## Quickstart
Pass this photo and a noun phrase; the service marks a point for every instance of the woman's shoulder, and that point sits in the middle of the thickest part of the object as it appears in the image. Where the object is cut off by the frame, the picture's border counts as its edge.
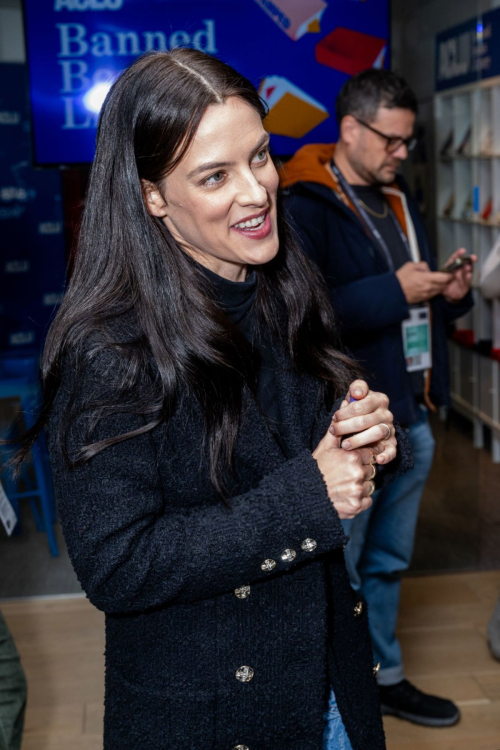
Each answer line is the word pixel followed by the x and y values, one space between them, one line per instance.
pixel 108 354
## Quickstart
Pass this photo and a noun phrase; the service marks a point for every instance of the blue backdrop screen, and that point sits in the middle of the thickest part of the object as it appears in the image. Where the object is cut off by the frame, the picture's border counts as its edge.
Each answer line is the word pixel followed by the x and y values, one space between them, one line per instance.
pixel 299 52
pixel 32 257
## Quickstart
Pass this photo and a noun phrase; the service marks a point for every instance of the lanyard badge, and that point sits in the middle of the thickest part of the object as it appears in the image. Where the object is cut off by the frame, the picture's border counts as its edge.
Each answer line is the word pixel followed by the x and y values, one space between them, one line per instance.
pixel 416 330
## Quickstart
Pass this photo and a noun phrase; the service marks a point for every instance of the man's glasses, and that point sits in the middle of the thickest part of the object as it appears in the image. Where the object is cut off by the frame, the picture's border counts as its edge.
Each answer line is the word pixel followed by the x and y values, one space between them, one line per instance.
pixel 393 144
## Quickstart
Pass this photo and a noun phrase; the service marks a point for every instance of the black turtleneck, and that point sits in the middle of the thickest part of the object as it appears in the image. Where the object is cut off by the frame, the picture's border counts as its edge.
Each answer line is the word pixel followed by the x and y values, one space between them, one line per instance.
pixel 237 299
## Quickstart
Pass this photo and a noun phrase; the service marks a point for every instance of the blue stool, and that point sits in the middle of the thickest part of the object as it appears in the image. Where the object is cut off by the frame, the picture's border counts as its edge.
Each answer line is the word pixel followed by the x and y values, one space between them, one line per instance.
pixel 19 380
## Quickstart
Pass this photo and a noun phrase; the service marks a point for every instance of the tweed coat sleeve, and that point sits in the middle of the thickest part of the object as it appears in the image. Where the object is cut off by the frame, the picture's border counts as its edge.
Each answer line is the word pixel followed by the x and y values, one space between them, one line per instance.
pixel 133 550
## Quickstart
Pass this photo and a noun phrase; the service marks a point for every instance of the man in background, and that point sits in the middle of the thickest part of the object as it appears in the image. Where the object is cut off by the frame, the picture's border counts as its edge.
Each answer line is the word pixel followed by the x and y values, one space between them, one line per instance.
pixel 358 222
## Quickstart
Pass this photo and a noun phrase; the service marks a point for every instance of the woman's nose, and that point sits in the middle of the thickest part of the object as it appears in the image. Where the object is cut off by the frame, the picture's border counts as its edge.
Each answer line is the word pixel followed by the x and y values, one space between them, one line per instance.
pixel 251 192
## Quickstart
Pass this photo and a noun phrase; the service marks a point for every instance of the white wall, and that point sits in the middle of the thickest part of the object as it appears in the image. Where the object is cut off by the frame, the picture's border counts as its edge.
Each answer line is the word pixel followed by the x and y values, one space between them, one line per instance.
pixel 11 32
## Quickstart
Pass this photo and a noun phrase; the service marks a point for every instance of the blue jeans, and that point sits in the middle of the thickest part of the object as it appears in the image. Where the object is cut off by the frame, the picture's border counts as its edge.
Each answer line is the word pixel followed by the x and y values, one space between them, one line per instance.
pixel 381 547
pixel 335 737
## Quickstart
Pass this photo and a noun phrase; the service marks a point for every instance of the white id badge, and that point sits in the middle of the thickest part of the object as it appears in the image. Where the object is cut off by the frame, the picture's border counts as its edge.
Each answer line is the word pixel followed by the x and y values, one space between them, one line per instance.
pixel 417 339
pixel 7 514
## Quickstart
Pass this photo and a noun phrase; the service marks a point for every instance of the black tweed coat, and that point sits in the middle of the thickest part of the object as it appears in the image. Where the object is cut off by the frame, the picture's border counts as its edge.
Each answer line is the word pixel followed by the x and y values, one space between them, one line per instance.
pixel 200 597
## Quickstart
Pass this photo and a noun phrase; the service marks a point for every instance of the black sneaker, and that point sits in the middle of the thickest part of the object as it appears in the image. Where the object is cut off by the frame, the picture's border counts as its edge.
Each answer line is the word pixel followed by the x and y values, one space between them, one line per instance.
pixel 407 702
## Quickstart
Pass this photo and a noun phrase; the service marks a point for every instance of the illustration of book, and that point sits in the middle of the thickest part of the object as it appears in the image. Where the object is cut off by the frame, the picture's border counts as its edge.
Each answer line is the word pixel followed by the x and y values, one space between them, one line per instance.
pixel 449 206
pixel 487 144
pixel 464 147
pixel 351 51
pixel 295 17
pixel 468 209
pixel 487 210
pixel 446 147
pixel 292 112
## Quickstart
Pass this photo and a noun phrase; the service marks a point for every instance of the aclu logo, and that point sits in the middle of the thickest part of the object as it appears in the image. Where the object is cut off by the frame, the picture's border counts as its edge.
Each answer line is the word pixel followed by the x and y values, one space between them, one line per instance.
pixel 87 4
pixel 21 338
pixel 17 266
pixel 52 299
pixel 50 227
pixel 10 118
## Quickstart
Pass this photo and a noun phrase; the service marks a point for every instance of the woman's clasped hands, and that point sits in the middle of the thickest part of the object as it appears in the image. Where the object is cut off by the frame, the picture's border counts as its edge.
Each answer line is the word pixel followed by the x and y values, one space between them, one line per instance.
pixel 360 438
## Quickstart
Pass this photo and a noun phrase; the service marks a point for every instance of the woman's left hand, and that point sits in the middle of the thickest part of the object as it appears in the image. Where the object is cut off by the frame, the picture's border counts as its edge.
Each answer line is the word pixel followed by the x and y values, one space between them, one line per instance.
pixel 367 421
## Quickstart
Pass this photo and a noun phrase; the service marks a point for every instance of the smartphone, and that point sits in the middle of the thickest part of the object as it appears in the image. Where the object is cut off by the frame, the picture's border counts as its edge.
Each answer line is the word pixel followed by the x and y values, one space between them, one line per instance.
pixel 456 264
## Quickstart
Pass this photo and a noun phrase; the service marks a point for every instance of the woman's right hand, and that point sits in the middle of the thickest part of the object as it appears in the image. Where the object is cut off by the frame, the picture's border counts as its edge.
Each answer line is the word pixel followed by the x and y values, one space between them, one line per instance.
pixel 348 475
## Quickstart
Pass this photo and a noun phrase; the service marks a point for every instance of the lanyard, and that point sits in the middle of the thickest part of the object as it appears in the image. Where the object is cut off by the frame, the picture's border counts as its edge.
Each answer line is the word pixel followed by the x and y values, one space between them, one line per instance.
pixel 368 224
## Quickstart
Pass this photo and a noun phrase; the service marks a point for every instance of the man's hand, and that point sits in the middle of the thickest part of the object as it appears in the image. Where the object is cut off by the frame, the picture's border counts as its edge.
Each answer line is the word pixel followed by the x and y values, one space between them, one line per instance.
pixel 461 280
pixel 420 284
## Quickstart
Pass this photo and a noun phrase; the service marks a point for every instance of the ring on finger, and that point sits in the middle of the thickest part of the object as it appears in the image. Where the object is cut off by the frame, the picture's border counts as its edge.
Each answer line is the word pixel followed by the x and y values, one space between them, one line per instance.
pixel 389 430
pixel 372 488
pixel 374 467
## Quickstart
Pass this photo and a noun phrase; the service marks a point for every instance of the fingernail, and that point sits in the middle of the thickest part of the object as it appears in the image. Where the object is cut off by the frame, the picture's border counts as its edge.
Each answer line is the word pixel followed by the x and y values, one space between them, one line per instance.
pixel 334 418
pixel 381 459
pixel 331 430
pixel 346 444
pixel 343 404
pixel 357 392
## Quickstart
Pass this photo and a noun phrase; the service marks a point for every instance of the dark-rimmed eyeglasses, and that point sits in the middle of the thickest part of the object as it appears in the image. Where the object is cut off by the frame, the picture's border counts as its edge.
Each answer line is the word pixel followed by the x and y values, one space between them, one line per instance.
pixel 393 144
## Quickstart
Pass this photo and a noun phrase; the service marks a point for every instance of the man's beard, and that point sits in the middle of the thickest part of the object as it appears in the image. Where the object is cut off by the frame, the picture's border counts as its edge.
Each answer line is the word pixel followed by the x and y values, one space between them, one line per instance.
pixel 377 178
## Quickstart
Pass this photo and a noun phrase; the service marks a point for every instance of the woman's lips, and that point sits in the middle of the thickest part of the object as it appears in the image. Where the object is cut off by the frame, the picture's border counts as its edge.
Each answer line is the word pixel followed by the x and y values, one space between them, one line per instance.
pixel 257 234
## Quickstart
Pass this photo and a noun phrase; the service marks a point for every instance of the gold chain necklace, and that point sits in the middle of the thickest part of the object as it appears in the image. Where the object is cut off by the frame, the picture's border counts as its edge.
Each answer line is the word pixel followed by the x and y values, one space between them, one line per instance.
pixel 374 213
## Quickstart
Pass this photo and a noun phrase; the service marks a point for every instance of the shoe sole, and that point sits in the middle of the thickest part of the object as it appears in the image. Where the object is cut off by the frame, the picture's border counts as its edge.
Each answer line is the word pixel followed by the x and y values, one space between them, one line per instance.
pixel 423 720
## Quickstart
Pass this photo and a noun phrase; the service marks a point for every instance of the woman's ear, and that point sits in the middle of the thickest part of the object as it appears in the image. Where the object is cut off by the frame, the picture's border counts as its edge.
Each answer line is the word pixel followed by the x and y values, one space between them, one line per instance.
pixel 155 202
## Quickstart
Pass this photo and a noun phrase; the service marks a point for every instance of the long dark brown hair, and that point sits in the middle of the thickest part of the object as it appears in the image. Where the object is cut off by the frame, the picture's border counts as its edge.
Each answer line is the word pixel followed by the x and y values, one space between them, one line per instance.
pixel 129 266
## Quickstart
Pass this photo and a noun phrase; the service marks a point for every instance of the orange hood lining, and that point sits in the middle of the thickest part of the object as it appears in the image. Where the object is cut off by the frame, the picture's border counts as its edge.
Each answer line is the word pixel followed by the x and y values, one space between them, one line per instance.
pixel 308 165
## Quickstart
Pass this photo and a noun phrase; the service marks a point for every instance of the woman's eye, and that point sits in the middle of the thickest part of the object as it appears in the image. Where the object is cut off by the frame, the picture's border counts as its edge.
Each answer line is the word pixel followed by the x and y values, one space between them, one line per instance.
pixel 261 156
pixel 214 179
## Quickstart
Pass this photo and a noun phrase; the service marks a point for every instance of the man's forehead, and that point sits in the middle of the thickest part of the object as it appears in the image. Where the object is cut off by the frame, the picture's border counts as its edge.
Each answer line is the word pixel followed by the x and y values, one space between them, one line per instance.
pixel 395 116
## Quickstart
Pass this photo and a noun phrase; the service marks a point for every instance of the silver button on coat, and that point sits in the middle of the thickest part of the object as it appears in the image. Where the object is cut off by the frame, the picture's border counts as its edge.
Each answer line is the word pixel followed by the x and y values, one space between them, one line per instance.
pixel 309 545
pixel 243 592
pixel 241 747
pixel 244 674
pixel 268 565
pixel 288 555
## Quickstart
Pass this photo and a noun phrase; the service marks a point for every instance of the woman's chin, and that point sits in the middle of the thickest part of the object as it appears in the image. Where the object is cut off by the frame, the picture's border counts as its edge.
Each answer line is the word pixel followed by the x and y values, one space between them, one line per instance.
pixel 264 252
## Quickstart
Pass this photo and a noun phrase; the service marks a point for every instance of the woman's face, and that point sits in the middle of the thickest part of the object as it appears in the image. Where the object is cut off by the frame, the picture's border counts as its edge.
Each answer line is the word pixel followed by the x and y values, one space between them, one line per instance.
pixel 219 203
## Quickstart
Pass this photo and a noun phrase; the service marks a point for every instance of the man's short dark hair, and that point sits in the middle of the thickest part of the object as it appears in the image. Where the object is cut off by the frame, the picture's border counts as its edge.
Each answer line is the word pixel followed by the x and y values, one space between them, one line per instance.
pixel 363 94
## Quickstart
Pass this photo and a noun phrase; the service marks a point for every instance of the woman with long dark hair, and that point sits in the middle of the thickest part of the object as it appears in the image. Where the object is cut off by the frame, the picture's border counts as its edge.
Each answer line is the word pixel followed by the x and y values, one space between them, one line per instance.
pixel 190 379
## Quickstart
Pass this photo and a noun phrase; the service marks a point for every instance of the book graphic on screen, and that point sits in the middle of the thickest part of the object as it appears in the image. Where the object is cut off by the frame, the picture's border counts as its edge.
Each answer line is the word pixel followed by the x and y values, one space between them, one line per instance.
pixel 351 51
pixel 295 17
pixel 292 112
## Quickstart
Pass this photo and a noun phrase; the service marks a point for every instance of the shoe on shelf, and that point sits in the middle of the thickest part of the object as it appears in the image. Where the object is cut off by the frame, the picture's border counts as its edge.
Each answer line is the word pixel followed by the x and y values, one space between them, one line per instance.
pixel 494 633
pixel 407 702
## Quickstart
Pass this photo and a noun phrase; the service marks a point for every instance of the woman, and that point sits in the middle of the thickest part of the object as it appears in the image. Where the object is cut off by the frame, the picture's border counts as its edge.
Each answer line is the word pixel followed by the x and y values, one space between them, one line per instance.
pixel 190 379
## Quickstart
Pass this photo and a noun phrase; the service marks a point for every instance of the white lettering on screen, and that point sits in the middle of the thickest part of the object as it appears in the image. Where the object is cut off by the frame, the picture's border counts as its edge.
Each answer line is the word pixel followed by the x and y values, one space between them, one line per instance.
pixel 82 5
pixel 74 41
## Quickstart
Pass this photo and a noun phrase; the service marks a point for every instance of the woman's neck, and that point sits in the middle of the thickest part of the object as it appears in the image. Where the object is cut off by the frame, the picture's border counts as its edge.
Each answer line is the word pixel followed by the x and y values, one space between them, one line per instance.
pixel 224 268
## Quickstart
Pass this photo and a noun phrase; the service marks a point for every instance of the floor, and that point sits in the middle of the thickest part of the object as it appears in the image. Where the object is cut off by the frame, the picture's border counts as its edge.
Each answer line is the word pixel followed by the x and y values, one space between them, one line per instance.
pixel 459 521
pixel 442 629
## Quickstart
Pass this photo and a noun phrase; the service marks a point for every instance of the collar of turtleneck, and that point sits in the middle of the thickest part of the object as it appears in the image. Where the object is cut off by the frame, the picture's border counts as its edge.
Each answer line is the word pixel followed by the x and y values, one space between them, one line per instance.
pixel 236 297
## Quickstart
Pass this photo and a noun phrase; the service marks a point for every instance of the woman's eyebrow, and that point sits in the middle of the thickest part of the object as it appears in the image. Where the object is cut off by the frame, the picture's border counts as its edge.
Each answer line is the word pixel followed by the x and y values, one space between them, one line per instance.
pixel 219 164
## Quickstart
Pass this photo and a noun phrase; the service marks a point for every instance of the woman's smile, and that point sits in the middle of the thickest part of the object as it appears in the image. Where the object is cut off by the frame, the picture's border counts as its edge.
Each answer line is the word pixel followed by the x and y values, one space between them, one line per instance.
pixel 255 227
